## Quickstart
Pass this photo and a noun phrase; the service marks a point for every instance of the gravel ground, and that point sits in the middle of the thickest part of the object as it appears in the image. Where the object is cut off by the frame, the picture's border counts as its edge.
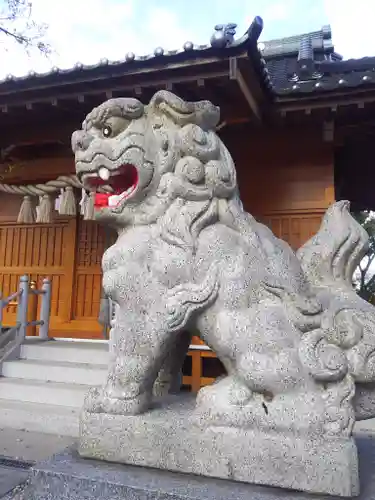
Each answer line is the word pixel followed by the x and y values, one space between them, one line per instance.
pixel 24 446
pixel 31 446
pixel 17 493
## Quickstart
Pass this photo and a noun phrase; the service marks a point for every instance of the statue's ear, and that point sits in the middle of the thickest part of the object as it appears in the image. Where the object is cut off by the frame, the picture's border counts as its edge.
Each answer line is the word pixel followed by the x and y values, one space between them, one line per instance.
pixel 201 113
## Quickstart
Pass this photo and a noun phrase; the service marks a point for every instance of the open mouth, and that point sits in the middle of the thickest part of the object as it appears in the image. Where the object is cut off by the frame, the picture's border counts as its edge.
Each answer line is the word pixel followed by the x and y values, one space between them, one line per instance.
pixel 118 185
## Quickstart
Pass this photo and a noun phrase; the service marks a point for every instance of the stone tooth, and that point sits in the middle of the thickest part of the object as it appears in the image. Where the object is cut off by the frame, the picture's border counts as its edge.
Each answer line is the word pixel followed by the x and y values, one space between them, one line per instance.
pixel 113 200
pixel 104 173
pixel 107 188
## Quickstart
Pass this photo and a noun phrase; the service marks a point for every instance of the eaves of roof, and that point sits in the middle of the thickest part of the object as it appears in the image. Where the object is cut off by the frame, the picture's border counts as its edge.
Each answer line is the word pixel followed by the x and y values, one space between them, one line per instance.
pixel 334 77
pixel 222 46
pixel 276 64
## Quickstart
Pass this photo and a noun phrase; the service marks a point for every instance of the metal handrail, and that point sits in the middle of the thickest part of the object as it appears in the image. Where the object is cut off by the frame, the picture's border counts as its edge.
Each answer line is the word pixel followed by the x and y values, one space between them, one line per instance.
pixel 11 340
pixel 6 301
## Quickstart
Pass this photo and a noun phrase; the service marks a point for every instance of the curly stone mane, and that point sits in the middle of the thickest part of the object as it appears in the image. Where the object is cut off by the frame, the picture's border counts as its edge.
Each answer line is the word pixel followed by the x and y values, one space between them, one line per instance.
pixel 202 184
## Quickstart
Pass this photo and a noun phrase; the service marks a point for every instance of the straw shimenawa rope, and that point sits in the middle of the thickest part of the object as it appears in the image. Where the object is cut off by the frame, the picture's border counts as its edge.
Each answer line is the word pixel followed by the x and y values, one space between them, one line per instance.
pixel 40 189
pixel 68 204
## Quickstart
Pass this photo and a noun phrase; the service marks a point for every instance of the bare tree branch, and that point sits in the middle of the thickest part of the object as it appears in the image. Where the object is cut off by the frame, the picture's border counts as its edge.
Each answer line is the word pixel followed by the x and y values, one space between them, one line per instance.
pixel 17 24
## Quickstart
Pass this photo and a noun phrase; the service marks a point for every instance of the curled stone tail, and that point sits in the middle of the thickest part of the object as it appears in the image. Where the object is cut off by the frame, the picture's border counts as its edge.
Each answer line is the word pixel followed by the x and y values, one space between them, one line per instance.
pixel 332 255
pixel 183 300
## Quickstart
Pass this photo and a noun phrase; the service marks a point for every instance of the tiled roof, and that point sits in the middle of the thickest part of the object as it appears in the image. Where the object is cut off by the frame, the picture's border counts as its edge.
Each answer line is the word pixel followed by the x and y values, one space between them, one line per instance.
pixel 289 46
pixel 297 65
pixel 332 76
pixel 221 44
pixel 307 64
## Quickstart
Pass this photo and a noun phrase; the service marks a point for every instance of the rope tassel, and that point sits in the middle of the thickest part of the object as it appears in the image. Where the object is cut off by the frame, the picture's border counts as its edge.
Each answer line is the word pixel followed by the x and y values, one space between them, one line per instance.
pixel 46 192
pixel 68 202
pixel 45 209
pixel 88 206
pixel 27 214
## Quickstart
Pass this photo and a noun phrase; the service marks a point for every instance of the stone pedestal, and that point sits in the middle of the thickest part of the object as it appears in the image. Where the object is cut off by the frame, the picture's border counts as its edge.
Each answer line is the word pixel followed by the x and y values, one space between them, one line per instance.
pixel 170 437
pixel 70 477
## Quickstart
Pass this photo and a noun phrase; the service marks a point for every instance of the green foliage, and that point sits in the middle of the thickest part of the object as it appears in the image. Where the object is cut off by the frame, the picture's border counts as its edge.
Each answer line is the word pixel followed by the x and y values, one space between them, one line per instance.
pixel 17 24
pixel 364 281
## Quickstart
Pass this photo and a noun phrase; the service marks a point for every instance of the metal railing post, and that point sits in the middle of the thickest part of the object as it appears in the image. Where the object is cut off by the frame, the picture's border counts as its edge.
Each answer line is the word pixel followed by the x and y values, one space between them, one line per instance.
pixel 23 300
pixel 32 311
pixel 45 309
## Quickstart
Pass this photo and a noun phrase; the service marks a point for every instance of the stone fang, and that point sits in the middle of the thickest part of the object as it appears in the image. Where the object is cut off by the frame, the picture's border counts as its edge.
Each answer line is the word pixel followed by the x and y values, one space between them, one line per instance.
pixel 104 173
pixel 114 200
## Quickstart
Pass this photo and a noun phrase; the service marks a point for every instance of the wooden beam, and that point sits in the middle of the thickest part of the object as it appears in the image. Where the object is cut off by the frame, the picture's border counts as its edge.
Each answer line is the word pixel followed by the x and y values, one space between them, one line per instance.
pixel 37 134
pixel 235 74
pixel 123 88
pixel 193 67
pixel 328 131
pixel 299 103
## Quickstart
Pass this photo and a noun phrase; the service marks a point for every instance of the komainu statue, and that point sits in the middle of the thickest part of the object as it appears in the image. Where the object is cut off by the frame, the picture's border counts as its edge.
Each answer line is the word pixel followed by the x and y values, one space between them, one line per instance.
pixel 295 339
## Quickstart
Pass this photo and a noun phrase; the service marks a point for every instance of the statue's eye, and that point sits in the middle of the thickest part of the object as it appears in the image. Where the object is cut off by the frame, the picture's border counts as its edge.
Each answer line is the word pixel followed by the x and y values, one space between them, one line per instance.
pixel 107 131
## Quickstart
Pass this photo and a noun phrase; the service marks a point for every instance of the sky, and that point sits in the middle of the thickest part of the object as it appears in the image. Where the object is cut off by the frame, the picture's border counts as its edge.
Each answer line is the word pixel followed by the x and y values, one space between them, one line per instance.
pixel 87 30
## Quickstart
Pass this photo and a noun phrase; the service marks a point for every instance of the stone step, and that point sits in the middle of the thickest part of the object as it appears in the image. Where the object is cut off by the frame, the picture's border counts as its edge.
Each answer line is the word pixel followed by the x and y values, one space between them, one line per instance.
pixel 36 417
pixel 55 371
pixel 95 352
pixel 37 391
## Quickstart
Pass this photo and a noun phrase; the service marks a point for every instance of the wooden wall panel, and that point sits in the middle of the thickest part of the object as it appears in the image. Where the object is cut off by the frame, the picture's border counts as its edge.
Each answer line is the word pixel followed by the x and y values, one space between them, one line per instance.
pixel 283 171
pixel 294 228
pixel 92 241
pixel 38 250
pixel 43 169
pixel 9 207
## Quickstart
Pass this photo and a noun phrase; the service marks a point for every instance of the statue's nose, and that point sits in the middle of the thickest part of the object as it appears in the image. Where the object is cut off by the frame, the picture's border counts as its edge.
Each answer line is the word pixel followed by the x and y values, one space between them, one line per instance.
pixel 81 140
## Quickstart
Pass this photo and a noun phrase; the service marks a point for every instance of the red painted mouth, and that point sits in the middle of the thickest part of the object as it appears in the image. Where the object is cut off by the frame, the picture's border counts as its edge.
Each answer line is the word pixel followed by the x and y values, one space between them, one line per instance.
pixel 123 182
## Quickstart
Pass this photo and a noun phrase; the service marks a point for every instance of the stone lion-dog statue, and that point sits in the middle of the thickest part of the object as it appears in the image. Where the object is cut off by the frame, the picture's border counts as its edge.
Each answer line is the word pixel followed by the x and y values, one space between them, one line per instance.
pixel 296 340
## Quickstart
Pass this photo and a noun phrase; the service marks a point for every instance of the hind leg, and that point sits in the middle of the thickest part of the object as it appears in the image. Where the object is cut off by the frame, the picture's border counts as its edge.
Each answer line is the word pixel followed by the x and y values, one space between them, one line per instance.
pixel 170 375
pixel 257 347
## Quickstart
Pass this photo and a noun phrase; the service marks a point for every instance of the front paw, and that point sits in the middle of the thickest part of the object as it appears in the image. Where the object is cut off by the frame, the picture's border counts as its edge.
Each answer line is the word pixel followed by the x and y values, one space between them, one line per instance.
pixel 98 401
pixel 93 401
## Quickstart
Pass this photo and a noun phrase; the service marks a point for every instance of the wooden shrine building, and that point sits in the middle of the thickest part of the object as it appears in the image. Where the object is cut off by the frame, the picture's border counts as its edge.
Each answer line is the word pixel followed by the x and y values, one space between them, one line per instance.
pixel 297 118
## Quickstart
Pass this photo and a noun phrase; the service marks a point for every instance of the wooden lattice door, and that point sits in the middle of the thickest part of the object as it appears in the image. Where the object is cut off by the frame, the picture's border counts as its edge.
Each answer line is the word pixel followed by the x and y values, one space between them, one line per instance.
pixel 92 240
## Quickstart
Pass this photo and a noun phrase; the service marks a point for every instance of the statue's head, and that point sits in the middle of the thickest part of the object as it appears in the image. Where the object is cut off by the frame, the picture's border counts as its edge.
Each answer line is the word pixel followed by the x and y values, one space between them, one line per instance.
pixel 140 158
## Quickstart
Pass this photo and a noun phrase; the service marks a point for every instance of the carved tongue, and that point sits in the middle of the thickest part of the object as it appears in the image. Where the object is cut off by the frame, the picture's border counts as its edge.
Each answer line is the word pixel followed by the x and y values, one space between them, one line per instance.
pixel 101 200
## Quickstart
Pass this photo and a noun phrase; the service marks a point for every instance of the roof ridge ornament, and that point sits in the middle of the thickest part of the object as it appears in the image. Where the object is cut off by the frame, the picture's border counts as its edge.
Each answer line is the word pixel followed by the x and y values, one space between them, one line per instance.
pixel 306 64
pixel 223 35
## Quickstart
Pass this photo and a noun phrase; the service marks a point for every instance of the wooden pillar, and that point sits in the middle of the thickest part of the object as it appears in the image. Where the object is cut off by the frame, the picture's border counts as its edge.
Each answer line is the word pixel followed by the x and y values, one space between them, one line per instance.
pixel 196 370
pixel 70 256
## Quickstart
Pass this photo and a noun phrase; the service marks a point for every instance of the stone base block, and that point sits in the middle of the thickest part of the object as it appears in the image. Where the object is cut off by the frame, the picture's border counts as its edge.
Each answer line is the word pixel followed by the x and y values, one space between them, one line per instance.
pixel 169 437
pixel 69 477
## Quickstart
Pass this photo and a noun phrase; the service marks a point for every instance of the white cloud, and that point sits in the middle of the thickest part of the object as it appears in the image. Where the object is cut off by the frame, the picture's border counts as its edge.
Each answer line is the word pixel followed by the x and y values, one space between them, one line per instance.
pixel 352 23
pixel 276 12
pixel 89 30
pixel 163 29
